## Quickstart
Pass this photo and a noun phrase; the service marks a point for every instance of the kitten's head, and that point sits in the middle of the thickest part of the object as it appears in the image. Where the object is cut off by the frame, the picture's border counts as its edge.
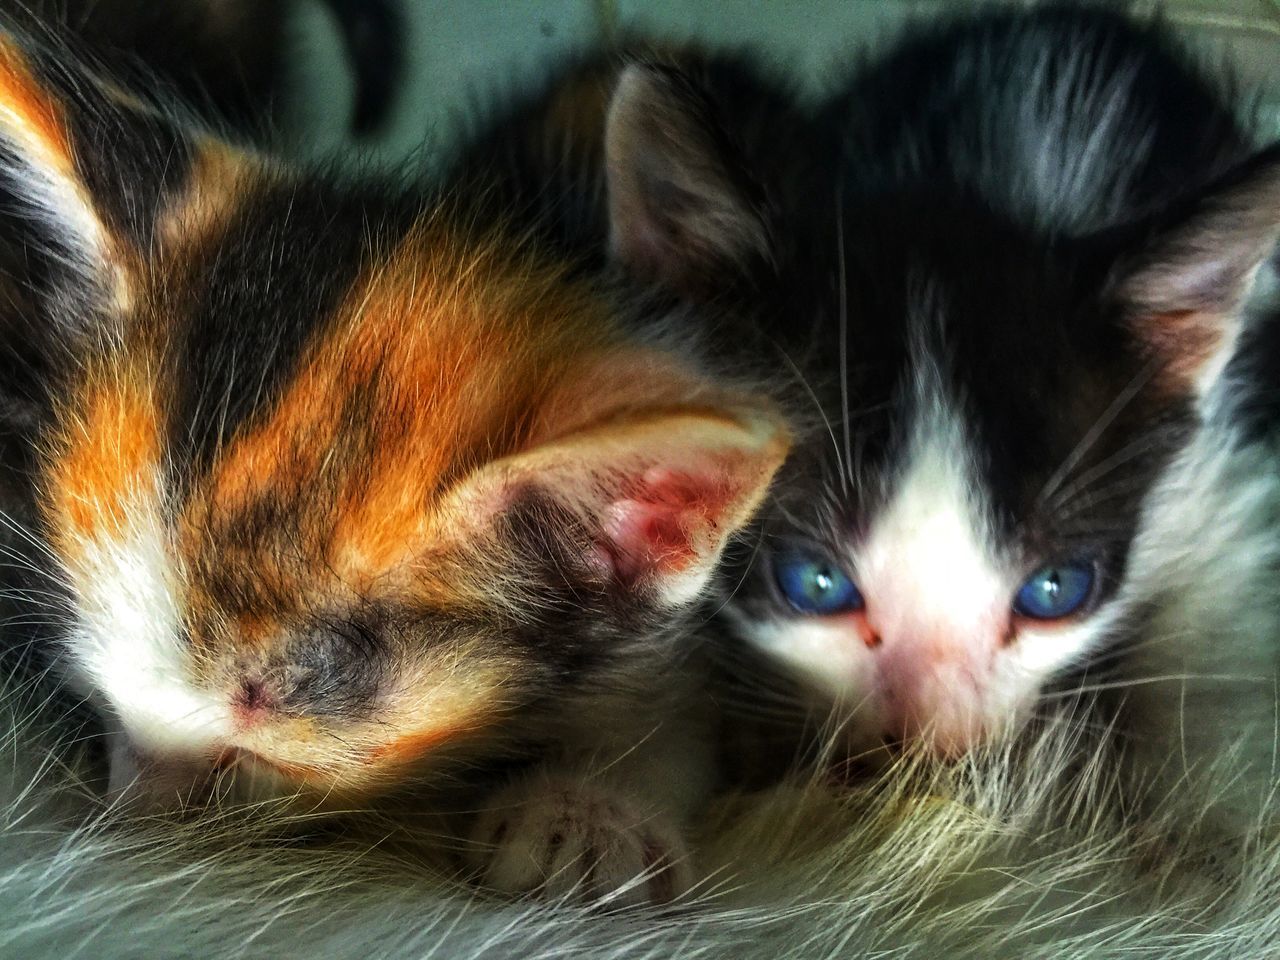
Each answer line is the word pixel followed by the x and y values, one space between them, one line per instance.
pixel 995 405
pixel 998 405
pixel 334 486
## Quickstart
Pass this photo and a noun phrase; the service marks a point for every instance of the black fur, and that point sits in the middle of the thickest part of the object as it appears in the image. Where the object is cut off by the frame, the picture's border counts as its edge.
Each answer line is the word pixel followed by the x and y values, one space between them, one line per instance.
pixel 229 368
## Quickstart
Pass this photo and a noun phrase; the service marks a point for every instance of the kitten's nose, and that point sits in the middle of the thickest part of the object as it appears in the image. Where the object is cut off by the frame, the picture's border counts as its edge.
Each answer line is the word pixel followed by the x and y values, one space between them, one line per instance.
pixel 252 702
pixel 930 696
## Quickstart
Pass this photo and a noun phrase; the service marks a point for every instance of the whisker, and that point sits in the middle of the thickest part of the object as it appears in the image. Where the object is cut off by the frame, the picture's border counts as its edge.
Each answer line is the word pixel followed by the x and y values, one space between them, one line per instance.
pixel 1102 469
pixel 843 339
pixel 1095 432
pixel 1151 680
pixel 804 382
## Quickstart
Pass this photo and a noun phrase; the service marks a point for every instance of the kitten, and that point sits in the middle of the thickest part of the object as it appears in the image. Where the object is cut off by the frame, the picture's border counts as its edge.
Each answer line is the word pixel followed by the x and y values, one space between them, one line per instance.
pixel 340 491
pixel 1033 271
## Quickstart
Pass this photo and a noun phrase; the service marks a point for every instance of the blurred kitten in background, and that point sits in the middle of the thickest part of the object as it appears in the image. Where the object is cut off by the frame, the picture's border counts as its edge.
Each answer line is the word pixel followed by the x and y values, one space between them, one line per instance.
pixel 228 59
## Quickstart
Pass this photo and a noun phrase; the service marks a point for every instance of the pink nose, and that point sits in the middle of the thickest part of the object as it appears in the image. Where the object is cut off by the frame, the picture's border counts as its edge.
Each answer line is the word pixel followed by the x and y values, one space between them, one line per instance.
pixel 931 699
pixel 252 703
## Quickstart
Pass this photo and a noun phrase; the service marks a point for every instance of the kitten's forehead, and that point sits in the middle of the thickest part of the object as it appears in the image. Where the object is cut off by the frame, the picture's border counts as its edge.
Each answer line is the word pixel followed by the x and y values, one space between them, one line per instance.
pixel 931 546
pixel 933 523
pixel 999 325
pixel 1049 401
pixel 938 478
pixel 420 375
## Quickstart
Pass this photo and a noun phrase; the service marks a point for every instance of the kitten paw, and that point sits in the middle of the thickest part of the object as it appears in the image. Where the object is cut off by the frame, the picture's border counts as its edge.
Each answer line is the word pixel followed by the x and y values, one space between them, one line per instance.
pixel 567 840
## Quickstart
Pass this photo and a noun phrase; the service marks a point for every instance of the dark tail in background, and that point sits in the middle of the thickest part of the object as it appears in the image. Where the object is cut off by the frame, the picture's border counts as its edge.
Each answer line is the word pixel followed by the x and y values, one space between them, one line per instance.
pixel 227 58
pixel 373 32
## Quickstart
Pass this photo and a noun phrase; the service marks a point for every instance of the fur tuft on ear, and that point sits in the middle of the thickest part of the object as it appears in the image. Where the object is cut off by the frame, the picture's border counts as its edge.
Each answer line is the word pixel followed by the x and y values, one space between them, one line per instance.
pixel 1186 291
pixel 678 209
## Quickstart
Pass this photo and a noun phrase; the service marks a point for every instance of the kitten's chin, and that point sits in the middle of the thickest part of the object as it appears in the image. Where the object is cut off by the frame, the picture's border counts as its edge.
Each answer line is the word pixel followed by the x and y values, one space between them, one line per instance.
pixel 145 784
pixel 872 740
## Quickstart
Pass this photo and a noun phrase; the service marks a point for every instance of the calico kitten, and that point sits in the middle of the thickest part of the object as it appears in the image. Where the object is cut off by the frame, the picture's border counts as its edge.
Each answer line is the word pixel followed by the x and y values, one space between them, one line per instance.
pixel 340 490
pixel 1032 269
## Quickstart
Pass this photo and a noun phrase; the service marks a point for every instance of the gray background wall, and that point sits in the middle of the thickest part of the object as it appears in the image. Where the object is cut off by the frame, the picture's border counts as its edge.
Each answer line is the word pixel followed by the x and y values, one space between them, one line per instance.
pixel 461 48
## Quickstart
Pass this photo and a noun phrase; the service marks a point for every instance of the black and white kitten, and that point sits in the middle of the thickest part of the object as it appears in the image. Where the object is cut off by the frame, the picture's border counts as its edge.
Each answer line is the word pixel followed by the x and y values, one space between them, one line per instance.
pixel 1020 295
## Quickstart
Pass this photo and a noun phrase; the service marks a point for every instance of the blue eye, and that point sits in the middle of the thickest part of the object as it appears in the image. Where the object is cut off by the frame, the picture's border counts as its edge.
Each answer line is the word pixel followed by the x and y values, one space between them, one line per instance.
pixel 1055 591
pixel 813 584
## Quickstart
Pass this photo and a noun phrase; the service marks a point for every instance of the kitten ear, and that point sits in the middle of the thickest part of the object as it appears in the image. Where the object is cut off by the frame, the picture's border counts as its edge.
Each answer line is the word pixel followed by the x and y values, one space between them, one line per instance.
pixel 86 170
pixel 49 201
pixel 1187 290
pixel 658 493
pixel 678 213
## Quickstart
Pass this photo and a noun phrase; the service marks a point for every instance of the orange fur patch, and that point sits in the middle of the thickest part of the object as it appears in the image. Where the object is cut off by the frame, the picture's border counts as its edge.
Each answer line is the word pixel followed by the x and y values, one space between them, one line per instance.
pixel 414 746
pixel 107 457
pixel 436 361
pixel 214 190
pixel 29 115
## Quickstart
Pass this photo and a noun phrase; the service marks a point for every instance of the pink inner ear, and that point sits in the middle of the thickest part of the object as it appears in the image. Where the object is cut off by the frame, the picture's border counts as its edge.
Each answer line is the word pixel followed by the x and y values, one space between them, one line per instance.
pixel 669 524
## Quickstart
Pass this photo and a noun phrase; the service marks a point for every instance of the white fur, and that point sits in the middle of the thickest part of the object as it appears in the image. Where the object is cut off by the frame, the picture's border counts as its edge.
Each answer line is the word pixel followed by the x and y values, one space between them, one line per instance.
pixel 825 655
pixel 125 651
pixel 51 190
pixel 1009 867
pixel 928 562
pixel 45 183
pixel 1207 676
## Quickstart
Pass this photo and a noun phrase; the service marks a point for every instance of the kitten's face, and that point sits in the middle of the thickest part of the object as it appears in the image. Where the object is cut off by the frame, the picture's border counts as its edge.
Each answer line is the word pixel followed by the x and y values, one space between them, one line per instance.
pixel 957 535
pixel 334 487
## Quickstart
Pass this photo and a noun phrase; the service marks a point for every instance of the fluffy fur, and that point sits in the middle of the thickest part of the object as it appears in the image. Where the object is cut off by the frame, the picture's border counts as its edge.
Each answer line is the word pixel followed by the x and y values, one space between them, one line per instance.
pixel 990 861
